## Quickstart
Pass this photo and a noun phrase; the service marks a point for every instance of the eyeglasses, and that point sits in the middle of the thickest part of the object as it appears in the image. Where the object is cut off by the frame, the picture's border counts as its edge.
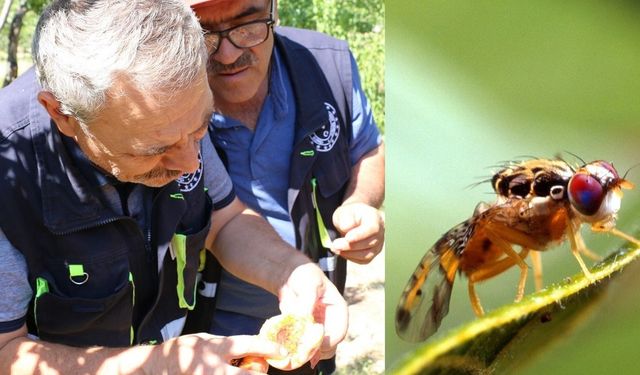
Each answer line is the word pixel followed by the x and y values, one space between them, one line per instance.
pixel 247 35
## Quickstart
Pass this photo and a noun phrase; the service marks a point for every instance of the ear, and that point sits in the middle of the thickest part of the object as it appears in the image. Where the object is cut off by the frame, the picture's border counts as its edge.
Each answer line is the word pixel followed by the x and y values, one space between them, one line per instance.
pixel 66 124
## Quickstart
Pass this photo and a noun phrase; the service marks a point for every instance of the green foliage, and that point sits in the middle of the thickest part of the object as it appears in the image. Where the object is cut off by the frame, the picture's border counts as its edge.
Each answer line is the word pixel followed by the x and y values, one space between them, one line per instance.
pixel 37 5
pixel 361 23
pixel 29 22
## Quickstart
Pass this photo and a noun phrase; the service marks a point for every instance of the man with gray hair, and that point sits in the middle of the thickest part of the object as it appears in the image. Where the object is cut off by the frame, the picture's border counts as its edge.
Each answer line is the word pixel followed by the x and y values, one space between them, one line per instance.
pixel 105 214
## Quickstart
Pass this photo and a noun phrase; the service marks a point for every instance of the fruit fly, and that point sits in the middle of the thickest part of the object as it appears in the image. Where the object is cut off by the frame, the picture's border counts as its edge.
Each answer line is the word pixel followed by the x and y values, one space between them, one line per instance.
pixel 540 203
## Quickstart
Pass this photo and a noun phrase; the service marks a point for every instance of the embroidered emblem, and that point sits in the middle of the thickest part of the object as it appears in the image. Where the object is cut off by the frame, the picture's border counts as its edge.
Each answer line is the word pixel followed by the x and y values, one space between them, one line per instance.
pixel 326 137
pixel 189 181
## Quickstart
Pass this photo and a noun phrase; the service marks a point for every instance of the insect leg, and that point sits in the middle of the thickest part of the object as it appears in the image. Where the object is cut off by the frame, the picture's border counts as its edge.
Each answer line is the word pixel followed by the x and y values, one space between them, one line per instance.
pixel 582 247
pixel 490 270
pixel 586 251
pixel 625 236
pixel 537 269
pixel 475 301
pixel 576 241
pixel 517 259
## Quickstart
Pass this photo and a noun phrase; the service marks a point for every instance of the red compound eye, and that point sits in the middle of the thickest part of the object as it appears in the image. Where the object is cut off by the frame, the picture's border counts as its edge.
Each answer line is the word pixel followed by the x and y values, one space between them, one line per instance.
pixel 585 193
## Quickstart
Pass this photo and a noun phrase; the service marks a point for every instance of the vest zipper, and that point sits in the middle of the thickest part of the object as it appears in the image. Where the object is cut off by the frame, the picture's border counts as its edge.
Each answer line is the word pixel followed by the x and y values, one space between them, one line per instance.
pixel 93 225
pixel 147 245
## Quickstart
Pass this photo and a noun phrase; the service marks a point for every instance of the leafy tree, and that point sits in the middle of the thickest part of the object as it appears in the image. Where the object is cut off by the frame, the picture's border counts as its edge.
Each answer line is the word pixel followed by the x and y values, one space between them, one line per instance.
pixel 361 23
pixel 23 14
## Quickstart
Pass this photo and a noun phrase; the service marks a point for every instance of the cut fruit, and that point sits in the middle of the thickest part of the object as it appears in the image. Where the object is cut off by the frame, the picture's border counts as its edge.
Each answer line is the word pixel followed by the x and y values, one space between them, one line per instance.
pixel 253 363
pixel 300 335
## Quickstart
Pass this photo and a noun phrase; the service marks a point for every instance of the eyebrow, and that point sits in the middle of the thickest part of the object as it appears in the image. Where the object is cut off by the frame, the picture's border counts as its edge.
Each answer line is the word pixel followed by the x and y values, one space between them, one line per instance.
pixel 157 150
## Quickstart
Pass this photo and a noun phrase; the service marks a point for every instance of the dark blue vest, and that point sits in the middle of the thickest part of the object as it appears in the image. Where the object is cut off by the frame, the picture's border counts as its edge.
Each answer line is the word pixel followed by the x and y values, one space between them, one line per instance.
pixel 94 273
pixel 319 67
pixel 320 71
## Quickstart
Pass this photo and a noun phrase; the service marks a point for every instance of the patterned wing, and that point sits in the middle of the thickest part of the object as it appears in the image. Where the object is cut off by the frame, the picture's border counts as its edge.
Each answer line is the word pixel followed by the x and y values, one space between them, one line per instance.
pixel 425 299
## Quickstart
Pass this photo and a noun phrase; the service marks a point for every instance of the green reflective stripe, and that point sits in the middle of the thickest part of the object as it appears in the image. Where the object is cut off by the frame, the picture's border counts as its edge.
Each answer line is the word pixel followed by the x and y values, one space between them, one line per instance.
pixel 179 245
pixel 76 270
pixel 177 196
pixel 133 303
pixel 203 259
pixel 325 239
pixel 308 153
pixel 42 287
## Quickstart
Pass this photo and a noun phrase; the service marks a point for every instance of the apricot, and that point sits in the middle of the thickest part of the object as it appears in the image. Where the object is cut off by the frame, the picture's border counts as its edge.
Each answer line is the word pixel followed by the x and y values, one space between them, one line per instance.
pixel 300 335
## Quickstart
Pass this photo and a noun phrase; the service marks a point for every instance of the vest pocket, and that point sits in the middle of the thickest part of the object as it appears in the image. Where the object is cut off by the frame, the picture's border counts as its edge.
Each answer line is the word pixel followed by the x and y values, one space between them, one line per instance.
pixel 81 321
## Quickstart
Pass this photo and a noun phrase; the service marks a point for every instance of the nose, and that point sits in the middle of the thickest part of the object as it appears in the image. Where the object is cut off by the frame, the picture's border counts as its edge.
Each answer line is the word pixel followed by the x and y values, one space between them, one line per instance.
pixel 183 156
pixel 227 53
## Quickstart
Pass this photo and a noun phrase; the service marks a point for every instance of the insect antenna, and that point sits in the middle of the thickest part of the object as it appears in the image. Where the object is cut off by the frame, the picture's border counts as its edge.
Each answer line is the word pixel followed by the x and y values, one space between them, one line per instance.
pixel 575 156
pixel 628 170
pixel 476 184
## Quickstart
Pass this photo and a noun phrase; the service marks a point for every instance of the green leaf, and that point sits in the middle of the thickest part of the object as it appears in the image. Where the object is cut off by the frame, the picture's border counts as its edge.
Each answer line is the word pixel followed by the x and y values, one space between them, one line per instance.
pixel 508 337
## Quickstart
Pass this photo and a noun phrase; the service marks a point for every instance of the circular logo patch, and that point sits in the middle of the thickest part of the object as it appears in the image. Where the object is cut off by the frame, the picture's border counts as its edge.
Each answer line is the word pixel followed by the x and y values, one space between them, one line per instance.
pixel 326 137
pixel 189 181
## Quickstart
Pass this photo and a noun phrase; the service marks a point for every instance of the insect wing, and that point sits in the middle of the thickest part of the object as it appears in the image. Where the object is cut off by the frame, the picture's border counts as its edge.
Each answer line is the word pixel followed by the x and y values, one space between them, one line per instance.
pixel 425 299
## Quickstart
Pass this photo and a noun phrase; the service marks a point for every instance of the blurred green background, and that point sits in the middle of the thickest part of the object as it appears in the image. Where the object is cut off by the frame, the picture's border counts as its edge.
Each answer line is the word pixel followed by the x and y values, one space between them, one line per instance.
pixel 473 83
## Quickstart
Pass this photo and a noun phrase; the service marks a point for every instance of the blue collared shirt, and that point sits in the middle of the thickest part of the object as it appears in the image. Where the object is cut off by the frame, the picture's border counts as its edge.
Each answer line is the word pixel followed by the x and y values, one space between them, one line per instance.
pixel 259 165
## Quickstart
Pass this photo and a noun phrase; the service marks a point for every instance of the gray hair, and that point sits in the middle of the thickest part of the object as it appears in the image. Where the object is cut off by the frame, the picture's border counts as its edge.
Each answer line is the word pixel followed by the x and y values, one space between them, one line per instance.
pixel 81 47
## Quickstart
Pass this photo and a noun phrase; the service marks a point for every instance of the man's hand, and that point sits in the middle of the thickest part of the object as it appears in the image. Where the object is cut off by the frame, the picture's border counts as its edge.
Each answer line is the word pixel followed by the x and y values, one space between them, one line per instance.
pixel 190 354
pixel 308 291
pixel 247 246
pixel 362 227
pixel 207 354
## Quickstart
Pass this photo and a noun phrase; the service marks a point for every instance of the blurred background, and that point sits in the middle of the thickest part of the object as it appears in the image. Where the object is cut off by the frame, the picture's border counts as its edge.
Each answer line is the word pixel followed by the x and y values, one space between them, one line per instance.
pixel 474 83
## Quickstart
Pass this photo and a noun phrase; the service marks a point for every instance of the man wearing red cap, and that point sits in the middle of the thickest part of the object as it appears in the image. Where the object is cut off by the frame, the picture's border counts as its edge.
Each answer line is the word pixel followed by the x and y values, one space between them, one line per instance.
pixel 300 143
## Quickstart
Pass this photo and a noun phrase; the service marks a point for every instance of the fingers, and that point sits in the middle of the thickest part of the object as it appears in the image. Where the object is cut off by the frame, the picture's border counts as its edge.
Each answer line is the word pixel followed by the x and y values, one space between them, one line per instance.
pixel 202 353
pixel 343 243
pixel 335 318
pixel 327 306
pixel 362 251
pixel 243 346
pixel 316 357
pixel 363 229
pixel 359 256
pixel 232 370
pixel 303 288
pixel 255 364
